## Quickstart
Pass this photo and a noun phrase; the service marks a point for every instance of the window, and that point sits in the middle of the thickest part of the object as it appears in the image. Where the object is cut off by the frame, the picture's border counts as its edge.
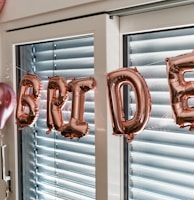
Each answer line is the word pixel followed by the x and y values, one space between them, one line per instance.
pixel 54 167
pixel 107 183
pixel 161 158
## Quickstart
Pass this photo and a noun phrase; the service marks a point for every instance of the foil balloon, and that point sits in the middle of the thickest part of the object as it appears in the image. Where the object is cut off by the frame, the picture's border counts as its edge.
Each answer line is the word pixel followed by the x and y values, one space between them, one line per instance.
pixel 7 103
pixel 77 127
pixel 131 77
pixel 2 3
pixel 27 105
pixel 181 90
pixel 57 95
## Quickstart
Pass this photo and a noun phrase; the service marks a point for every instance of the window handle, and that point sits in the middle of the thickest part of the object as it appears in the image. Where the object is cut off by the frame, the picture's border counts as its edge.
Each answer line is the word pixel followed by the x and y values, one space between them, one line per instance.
pixel 7 179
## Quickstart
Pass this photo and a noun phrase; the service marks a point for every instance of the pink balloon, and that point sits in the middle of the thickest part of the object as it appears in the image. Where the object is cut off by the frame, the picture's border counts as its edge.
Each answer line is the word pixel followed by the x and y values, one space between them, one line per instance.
pixel 2 3
pixel 7 103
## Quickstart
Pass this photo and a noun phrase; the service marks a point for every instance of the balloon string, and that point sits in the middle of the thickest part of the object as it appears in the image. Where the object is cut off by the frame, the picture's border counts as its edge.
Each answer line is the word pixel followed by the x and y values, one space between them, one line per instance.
pixel 33 72
pixel 153 63
pixel 21 69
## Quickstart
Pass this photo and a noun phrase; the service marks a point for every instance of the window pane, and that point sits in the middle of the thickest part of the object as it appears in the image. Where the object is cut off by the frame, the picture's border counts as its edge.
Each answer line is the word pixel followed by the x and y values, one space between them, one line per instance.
pixel 54 167
pixel 161 158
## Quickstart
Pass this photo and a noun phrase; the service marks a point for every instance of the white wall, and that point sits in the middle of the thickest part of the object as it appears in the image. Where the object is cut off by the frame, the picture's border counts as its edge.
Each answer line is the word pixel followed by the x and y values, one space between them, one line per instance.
pixel 21 8
pixel 17 9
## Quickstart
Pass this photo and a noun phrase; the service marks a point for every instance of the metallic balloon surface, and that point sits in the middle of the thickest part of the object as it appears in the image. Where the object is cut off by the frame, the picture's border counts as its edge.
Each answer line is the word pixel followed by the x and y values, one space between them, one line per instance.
pixel 131 77
pixel 7 103
pixel 77 127
pixel 2 3
pixel 57 95
pixel 180 89
pixel 27 104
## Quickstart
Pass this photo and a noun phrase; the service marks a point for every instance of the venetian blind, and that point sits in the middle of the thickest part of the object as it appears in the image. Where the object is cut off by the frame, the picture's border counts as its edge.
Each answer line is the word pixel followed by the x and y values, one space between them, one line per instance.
pixel 54 167
pixel 161 158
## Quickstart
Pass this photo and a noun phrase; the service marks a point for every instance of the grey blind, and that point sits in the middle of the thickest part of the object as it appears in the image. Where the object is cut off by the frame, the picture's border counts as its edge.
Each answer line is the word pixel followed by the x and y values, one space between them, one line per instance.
pixel 161 158
pixel 54 167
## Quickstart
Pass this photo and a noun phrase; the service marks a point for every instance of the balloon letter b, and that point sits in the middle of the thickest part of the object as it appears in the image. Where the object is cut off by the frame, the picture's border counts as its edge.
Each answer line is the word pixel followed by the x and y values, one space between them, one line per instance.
pixel 27 108
pixel 115 80
pixel 180 89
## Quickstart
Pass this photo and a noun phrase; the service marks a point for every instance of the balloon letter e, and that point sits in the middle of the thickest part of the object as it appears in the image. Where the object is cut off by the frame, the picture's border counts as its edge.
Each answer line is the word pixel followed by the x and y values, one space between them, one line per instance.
pixel 181 90
pixel 131 77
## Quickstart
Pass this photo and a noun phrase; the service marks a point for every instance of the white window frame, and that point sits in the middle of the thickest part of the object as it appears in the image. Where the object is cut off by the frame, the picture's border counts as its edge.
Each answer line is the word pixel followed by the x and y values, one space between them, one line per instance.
pixel 108 57
pixel 155 20
pixel 168 18
pixel 109 177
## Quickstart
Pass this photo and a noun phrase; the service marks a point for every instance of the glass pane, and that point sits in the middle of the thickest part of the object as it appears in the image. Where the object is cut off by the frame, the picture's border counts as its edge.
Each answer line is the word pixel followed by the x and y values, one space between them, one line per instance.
pixel 54 167
pixel 161 158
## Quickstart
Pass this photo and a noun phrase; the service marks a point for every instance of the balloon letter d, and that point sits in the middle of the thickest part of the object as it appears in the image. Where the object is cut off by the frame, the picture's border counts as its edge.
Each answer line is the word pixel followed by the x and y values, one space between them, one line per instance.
pixel 115 80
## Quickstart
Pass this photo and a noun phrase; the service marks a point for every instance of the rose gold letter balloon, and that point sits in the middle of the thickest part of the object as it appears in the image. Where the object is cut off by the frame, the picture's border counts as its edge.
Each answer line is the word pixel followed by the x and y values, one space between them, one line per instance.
pixel 56 96
pixel 131 77
pixel 181 90
pixel 7 103
pixel 27 107
pixel 77 127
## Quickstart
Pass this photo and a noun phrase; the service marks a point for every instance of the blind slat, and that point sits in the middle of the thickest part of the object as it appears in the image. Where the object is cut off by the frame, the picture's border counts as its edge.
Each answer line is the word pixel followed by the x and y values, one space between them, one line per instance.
pixel 173 177
pixel 57 54
pixel 163 44
pixel 142 194
pixel 164 188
